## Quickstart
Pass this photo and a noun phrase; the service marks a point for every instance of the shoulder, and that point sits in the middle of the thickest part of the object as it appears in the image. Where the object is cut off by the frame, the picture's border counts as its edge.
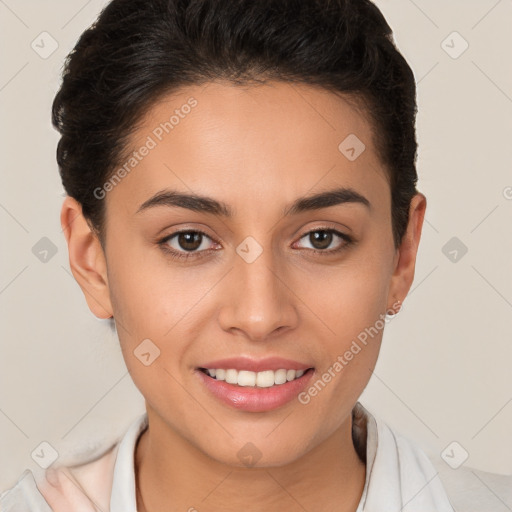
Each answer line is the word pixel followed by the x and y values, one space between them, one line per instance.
pixel 86 483
pixel 470 489
pixel 86 486
pixel 398 473
pixel 465 488
pixel 24 496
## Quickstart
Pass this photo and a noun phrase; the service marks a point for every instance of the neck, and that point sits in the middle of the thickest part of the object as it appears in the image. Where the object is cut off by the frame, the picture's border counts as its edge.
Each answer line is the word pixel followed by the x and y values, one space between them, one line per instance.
pixel 171 474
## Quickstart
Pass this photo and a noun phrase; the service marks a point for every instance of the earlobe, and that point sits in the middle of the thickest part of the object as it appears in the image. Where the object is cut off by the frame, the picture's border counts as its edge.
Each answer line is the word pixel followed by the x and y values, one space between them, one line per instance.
pixel 86 258
pixel 403 274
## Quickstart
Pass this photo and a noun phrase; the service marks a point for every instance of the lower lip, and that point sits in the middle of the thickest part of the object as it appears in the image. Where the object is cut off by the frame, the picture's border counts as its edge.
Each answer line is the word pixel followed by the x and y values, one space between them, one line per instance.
pixel 254 399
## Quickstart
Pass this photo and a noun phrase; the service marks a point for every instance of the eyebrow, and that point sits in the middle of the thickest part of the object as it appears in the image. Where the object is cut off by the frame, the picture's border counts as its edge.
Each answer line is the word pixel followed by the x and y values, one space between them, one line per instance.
pixel 204 204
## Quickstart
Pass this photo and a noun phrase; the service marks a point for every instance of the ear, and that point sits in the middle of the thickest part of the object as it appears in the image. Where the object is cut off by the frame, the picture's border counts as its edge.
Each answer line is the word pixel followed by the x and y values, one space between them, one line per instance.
pixel 86 258
pixel 403 274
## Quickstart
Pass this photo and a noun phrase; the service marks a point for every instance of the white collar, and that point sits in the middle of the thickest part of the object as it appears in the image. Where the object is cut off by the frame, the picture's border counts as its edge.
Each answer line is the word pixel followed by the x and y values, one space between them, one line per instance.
pixel 123 485
pixel 398 473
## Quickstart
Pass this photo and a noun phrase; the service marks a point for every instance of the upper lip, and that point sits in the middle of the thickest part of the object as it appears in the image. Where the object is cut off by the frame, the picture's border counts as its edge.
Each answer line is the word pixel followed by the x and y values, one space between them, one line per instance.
pixel 255 365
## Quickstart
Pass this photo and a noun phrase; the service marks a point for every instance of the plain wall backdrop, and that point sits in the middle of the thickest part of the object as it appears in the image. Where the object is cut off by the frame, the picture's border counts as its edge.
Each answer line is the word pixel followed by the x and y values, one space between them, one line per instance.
pixel 444 371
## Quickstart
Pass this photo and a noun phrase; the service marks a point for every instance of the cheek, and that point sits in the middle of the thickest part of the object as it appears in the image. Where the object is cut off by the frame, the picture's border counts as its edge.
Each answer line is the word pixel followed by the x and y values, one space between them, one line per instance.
pixel 353 308
pixel 350 305
pixel 149 295
pixel 350 298
pixel 157 308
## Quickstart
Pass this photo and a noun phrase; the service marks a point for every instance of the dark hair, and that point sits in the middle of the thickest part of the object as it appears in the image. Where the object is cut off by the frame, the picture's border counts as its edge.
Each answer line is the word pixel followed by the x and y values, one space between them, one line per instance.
pixel 137 51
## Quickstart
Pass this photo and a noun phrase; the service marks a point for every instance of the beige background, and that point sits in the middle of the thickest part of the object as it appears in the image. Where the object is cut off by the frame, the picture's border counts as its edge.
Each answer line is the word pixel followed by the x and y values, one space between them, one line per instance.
pixel 444 371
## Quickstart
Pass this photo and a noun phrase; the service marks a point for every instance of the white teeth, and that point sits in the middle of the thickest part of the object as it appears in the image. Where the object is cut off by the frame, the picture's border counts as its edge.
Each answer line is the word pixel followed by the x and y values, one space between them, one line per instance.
pixel 231 376
pixel 280 377
pixel 264 379
pixel 246 378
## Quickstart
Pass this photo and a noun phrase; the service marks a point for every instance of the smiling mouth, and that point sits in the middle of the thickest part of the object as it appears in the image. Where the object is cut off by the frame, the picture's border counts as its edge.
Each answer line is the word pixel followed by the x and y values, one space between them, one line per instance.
pixel 263 379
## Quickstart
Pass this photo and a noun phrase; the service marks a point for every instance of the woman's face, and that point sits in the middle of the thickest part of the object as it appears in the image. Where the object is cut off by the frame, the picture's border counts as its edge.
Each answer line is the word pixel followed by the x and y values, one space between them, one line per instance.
pixel 251 287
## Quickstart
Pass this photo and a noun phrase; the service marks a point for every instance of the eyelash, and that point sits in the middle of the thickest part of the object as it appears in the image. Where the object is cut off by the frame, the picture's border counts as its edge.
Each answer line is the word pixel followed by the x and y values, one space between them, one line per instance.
pixel 185 256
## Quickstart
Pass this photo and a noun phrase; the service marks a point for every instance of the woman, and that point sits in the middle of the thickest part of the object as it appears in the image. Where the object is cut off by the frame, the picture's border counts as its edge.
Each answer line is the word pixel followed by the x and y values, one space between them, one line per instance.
pixel 242 203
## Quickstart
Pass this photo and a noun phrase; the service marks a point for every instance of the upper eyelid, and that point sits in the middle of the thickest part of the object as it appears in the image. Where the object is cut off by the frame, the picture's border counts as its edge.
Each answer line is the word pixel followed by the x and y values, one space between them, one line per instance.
pixel 195 230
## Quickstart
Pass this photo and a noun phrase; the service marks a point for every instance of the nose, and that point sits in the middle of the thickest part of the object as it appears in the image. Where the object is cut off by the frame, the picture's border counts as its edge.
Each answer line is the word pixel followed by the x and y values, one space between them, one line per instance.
pixel 258 300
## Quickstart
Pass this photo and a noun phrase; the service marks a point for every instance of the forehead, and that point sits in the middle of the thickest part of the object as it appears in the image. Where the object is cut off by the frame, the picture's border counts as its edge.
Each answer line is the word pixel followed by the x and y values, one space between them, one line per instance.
pixel 254 143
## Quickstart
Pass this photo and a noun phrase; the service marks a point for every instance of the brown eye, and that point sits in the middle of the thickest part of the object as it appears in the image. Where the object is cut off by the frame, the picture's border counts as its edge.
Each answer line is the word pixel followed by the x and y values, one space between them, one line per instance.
pixel 321 240
pixel 189 240
pixel 183 242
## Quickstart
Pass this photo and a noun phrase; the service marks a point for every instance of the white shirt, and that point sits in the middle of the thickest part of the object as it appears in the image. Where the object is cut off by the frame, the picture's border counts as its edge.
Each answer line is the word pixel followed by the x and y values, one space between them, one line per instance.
pixel 399 477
